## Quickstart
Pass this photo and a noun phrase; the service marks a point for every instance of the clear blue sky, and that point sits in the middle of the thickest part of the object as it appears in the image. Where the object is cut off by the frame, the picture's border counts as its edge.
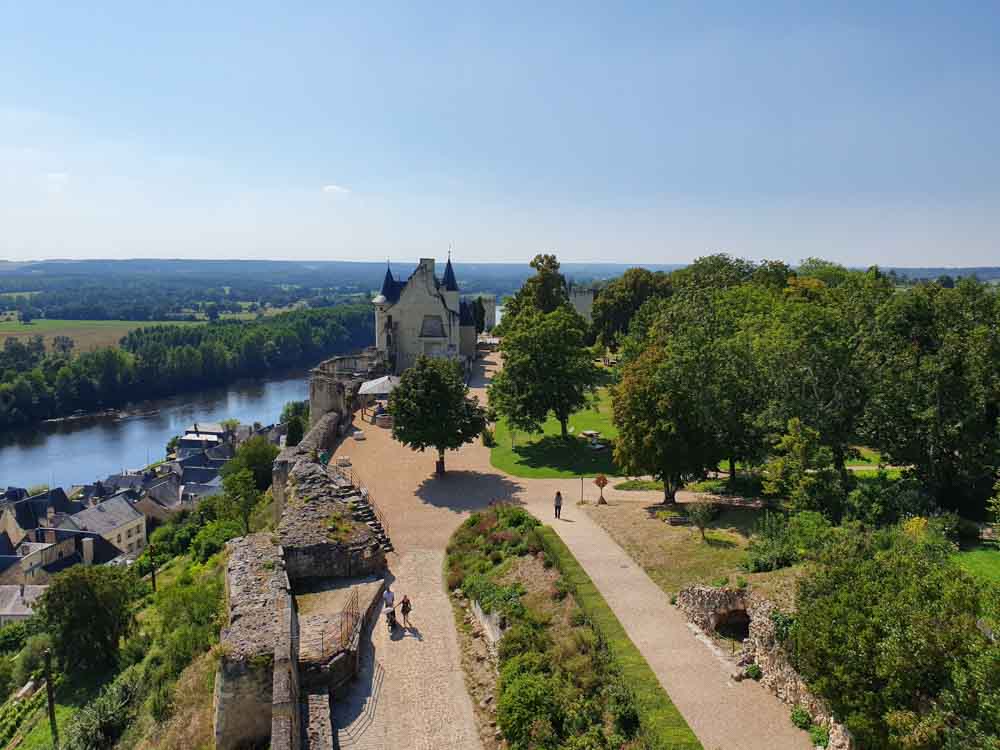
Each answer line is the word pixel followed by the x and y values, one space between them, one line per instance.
pixel 633 132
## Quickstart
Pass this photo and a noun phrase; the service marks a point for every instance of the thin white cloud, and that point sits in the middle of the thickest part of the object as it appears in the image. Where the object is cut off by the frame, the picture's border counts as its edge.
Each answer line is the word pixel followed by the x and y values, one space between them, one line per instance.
pixel 56 182
pixel 336 189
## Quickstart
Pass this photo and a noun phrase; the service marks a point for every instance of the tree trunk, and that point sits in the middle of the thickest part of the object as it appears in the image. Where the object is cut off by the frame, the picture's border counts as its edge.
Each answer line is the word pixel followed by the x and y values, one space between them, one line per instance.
pixel 732 471
pixel 439 466
pixel 669 491
pixel 563 422
pixel 839 464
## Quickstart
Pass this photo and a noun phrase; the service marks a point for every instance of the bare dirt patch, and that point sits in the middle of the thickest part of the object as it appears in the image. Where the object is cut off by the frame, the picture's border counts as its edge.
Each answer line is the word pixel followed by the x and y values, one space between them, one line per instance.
pixel 675 556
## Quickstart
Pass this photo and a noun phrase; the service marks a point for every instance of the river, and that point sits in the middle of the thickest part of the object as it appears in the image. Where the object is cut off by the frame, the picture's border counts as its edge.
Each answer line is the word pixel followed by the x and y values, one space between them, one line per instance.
pixel 80 451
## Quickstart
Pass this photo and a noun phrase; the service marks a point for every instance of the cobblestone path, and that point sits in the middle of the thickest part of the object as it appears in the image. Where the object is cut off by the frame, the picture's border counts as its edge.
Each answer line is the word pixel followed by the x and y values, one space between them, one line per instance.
pixel 412 694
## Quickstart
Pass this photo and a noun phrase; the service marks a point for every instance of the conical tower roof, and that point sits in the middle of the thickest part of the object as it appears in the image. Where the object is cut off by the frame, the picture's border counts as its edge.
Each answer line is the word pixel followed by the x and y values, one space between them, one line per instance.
pixel 450 283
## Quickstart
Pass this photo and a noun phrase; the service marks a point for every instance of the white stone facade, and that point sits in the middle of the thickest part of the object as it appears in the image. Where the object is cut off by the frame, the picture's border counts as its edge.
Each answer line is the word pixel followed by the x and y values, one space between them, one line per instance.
pixel 423 315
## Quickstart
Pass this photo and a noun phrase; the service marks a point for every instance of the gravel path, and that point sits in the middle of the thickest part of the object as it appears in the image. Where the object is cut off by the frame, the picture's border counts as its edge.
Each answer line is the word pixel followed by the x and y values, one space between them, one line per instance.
pixel 421 702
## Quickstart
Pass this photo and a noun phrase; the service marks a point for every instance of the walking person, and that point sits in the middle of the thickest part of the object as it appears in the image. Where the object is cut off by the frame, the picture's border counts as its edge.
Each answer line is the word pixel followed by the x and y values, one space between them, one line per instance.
pixel 558 504
pixel 406 607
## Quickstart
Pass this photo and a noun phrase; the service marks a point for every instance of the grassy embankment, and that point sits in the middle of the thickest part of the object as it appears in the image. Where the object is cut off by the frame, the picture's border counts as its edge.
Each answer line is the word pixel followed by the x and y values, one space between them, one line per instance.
pixel 87 335
pixel 546 455
pixel 658 715
pixel 567 668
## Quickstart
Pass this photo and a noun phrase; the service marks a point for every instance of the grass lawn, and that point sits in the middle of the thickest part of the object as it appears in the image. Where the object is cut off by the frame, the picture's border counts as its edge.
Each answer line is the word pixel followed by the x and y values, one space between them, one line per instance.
pixel 657 714
pixel 675 556
pixel 86 334
pixel 982 561
pixel 547 455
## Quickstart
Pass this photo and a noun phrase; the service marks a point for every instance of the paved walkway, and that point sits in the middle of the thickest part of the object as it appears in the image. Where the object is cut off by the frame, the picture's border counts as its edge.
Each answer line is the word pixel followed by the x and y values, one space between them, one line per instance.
pixel 421 702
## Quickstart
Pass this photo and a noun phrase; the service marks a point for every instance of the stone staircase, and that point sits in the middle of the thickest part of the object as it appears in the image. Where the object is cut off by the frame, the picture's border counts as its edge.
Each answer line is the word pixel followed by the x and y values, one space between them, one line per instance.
pixel 364 512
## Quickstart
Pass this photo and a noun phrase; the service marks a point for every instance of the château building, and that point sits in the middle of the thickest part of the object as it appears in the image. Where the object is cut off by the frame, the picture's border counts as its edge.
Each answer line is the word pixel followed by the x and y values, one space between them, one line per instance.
pixel 423 315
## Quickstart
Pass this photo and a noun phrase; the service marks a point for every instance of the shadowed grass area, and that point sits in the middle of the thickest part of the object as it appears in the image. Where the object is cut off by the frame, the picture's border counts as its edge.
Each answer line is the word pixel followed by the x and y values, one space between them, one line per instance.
pixel 640 485
pixel 548 456
pixel 658 716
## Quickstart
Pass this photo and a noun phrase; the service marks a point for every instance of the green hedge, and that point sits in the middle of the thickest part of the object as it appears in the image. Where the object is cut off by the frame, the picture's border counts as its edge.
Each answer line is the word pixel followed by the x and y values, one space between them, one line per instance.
pixel 661 722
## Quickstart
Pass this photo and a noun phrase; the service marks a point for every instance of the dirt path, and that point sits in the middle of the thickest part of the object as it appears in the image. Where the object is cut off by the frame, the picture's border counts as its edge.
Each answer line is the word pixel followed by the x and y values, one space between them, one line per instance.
pixel 413 692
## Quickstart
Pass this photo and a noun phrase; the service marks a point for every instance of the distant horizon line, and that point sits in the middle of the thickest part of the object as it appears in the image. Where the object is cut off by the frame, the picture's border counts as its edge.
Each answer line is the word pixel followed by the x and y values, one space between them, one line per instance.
pixel 634 264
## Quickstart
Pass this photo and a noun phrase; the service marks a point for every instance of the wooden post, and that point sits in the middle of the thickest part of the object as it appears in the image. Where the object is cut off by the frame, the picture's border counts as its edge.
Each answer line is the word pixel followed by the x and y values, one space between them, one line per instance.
pixel 50 693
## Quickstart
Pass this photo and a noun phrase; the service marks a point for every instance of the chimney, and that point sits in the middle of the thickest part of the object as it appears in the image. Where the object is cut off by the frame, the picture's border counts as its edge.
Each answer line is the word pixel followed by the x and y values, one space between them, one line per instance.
pixel 87 544
pixel 428 264
pixel 50 513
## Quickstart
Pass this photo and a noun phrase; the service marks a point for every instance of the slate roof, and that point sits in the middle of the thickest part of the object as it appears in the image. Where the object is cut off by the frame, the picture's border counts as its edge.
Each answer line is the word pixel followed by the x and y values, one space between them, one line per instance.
pixel 13 494
pixel 15 604
pixel 32 512
pixel 6 547
pixel 450 282
pixel 105 517
pixel 391 289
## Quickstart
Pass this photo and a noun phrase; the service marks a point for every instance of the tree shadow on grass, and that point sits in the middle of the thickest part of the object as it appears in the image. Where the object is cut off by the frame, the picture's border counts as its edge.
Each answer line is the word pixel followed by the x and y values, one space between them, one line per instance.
pixel 573 456
pixel 468 490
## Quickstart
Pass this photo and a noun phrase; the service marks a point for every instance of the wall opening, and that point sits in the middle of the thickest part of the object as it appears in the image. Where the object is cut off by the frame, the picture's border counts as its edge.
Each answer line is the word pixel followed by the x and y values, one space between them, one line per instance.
pixel 734 625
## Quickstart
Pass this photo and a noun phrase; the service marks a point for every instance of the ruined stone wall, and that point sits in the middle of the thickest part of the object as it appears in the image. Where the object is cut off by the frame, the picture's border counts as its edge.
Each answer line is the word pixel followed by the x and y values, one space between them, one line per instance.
pixel 322 436
pixel 313 506
pixel 706 606
pixel 286 730
pixel 256 588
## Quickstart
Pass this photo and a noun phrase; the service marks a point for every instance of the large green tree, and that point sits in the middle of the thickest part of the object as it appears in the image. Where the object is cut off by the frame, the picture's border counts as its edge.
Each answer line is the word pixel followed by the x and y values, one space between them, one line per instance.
pixel 87 609
pixel 543 292
pixel 663 427
pixel 546 369
pixel 431 408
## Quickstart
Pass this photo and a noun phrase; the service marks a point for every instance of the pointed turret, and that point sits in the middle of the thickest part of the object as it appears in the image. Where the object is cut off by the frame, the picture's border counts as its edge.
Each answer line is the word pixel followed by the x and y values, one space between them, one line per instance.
pixel 388 283
pixel 450 283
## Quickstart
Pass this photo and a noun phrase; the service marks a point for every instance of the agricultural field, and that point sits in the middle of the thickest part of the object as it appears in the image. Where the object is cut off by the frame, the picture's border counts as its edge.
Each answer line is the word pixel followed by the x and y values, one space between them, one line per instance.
pixel 86 334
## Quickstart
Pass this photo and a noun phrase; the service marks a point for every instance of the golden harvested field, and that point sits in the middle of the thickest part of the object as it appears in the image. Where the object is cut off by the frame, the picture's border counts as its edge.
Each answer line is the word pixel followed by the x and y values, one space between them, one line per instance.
pixel 87 334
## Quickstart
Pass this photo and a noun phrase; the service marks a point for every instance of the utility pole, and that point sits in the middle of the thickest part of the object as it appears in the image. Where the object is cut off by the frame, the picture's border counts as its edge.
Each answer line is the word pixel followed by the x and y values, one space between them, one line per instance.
pixel 50 693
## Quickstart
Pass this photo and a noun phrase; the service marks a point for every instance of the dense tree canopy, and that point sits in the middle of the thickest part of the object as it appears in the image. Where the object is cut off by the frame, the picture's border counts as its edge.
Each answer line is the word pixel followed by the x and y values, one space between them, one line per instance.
pixel 431 408
pixel 619 301
pixel 160 360
pixel 894 635
pixel 842 355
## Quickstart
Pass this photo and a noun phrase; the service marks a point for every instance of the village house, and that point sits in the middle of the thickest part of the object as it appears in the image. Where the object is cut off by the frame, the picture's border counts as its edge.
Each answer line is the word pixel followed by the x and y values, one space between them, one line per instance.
pixel 46 509
pixel 45 552
pixel 16 601
pixel 115 519
pixel 423 315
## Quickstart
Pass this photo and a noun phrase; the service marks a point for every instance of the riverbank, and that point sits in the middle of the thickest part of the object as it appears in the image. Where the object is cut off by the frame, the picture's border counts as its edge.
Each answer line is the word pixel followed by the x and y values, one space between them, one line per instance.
pixel 81 450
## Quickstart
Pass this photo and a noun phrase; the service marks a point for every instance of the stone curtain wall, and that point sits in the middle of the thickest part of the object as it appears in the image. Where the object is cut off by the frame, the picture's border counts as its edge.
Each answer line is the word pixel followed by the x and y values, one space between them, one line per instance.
pixel 706 607
pixel 256 589
pixel 286 729
pixel 322 436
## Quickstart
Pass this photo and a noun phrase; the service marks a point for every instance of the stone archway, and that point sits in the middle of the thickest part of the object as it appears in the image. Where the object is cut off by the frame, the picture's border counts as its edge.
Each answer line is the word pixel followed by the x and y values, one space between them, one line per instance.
pixel 733 624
